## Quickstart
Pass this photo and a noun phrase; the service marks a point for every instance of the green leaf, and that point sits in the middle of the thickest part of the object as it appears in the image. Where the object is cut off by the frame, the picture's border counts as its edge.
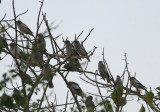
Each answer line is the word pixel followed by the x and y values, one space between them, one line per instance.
pixel 15 75
pixel 149 98
pixel 109 106
pixel 142 109
pixel 3 29
pixel 116 96
pixel 7 101
pixel 158 88
pixel 4 75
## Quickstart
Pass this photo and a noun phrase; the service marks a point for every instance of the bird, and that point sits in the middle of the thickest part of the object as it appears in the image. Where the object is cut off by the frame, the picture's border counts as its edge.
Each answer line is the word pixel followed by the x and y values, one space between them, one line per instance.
pixel 118 81
pixel 136 83
pixel 75 88
pixel 35 59
pixel 72 66
pixel 39 44
pixel 24 28
pixel 80 49
pixel 103 71
pixel 48 74
pixel 3 42
pixel 19 98
pixel 27 79
pixel 70 49
pixel 16 51
pixel 89 104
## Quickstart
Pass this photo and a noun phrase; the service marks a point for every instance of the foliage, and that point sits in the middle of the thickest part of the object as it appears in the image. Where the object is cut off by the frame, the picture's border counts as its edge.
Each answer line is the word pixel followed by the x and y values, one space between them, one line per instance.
pixel 33 69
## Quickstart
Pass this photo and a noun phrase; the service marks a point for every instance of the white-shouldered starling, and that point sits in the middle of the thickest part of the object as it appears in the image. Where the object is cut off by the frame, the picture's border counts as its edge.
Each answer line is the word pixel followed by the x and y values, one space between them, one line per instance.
pixel 103 71
pixel 80 49
pixel 136 83
pixel 24 28
pixel 16 51
pixel 89 104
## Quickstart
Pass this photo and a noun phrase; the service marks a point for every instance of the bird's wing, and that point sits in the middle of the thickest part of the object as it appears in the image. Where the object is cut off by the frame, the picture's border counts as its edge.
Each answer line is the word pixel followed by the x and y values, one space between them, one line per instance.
pixel 72 47
pixel 19 51
pixel 136 81
pixel 75 86
pixel 23 25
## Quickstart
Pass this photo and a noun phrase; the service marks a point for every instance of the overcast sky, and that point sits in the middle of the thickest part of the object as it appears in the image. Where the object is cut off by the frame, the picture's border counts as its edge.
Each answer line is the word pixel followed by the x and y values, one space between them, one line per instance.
pixel 121 26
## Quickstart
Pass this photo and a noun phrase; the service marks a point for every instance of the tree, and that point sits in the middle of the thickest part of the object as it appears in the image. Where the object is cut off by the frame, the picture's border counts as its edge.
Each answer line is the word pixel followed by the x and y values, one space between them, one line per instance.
pixel 34 69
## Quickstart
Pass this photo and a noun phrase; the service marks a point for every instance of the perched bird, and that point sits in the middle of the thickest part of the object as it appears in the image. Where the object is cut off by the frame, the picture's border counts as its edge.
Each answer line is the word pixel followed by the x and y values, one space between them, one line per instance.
pixel 27 79
pixel 19 98
pixel 35 59
pixel 39 44
pixel 75 88
pixel 89 104
pixel 80 49
pixel 136 83
pixel 103 71
pixel 3 42
pixel 70 49
pixel 16 51
pixel 72 66
pixel 118 81
pixel 48 74
pixel 24 28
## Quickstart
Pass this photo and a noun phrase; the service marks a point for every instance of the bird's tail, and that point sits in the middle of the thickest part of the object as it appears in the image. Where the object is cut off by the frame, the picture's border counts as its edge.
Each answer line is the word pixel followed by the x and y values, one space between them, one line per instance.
pixel 50 83
pixel 88 59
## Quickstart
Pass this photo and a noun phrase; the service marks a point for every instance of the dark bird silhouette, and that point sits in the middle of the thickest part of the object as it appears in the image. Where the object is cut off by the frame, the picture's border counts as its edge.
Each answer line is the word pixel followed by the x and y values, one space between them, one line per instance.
pixel 76 88
pixel 48 74
pixel 24 28
pixel 39 44
pixel 118 81
pixel 80 49
pixel 103 71
pixel 136 83
pixel 70 49
pixel 16 51
pixel 89 104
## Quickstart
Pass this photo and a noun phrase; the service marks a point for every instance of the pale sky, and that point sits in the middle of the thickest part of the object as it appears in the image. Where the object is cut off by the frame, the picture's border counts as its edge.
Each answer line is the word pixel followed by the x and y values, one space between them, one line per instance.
pixel 121 26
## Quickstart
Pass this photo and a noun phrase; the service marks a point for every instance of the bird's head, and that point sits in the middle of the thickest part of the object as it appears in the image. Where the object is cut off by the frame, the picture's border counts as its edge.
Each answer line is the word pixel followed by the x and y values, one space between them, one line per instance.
pixel 40 35
pixel 12 44
pixel 19 22
pixel 100 63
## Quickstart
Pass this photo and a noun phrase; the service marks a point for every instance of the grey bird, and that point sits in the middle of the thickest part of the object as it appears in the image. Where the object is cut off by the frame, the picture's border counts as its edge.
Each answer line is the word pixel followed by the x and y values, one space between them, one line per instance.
pixel 89 104
pixel 39 44
pixel 80 49
pixel 24 28
pixel 35 59
pixel 103 71
pixel 48 74
pixel 70 49
pixel 27 79
pixel 75 88
pixel 118 81
pixel 136 83
pixel 16 51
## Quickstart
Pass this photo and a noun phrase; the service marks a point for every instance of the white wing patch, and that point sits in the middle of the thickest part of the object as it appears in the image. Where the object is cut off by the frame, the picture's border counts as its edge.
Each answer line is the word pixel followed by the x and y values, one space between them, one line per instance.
pixel 74 86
